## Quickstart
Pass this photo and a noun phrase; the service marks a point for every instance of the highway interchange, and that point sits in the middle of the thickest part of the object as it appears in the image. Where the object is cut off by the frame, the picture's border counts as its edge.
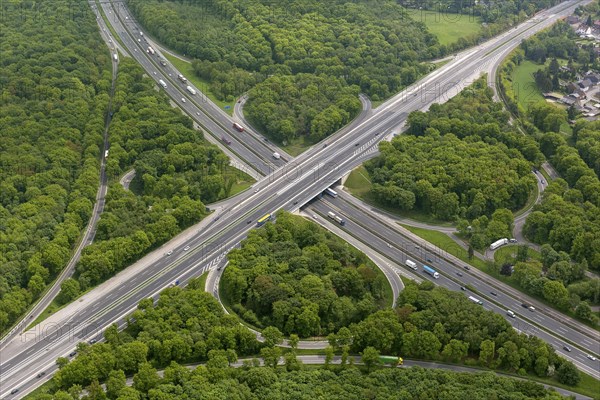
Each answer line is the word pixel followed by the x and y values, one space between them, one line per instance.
pixel 289 187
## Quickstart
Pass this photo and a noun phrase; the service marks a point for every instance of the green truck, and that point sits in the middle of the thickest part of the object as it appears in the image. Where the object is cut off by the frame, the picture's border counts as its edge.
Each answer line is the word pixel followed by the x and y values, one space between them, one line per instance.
pixel 391 360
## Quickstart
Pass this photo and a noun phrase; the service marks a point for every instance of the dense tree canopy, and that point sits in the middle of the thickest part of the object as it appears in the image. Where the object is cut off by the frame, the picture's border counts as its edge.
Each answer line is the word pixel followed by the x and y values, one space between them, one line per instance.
pixel 435 323
pixel 188 325
pixel 53 100
pixel 460 159
pixel 301 279
pixel 177 172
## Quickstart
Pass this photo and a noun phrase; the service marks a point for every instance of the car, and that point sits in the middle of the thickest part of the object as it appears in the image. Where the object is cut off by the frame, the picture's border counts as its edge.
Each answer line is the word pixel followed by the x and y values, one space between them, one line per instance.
pixel 463 288
pixel 428 259
pixel 219 268
pixel 511 314
pixel 566 348
pixel 512 240
pixel 72 354
pixel 467 268
pixel 182 99
pixel 169 252
pixel 154 72
pixel 295 202
pixel 249 221
pixel 324 145
pixel 525 305
pixel 126 17
pixel 494 293
pixel 531 308
pixel 356 144
pixel 315 216
pixel 459 274
pixel 389 245
pixel 41 374
pixel 198 113
pixel 186 248
pixel 14 391
pixel 92 341
pixel 255 190
pixel 417 246
pixel 543 182
pixel 591 357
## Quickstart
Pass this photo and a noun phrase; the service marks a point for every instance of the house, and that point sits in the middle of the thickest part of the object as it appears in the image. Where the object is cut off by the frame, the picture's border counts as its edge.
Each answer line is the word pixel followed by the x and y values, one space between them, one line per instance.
pixel 568 100
pixel 585 84
pixel 584 31
pixel 594 78
pixel 552 96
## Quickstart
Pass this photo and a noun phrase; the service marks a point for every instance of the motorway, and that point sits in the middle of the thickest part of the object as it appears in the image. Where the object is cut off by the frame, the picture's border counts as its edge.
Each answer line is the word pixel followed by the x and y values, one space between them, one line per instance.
pixel 398 247
pixel 298 183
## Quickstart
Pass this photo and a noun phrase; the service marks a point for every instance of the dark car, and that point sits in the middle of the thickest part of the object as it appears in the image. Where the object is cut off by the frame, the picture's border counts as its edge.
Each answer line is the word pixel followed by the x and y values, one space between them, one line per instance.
pixel 324 145
pixel 14 391
pixel 72 354
pixel 459 274
pixel 429 259
pixel 249 221
pixel 356 144
pixel 467 268
pixel 41 374
pixel 525 305
pixel 566 348
pixel 462 288
pixel 494 293
pixel 295 202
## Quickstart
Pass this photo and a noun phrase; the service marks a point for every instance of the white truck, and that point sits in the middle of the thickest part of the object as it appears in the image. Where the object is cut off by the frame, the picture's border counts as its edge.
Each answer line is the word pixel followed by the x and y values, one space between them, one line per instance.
pixel 115 57
pixel 498 243
pixel 162 83
pixel 336 218
pixel 411 264
pixel 276 155
pixel 150 50
pixel 475 300
pixel 191 90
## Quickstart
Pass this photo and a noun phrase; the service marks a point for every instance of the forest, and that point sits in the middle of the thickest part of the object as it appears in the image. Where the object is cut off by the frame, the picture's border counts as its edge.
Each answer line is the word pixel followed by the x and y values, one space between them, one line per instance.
pixel 177 173
pixel 434 323
pixel 302 62
pixel 566 222
pixel 54 92
pixel 301 279
pixel 460 161
pixel 188 325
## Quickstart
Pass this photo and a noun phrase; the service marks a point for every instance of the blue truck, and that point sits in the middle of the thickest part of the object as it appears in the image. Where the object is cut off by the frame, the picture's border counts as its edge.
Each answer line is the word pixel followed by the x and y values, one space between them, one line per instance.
pixel 431 271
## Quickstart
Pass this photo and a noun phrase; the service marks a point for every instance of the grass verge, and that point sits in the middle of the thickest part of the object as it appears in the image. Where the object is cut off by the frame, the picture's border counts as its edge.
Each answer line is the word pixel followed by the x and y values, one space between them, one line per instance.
pixel 511 251
pixel 533 195
pixel 448 245
pixel 185 67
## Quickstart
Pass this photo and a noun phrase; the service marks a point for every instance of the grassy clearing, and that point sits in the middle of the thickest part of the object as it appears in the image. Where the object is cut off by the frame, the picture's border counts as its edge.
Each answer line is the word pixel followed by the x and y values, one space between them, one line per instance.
pixel 241 180
pixel 447 245
pixel 447 27
pixel 185 67
pixel 526 91
pixel 359 185
pixel 511 251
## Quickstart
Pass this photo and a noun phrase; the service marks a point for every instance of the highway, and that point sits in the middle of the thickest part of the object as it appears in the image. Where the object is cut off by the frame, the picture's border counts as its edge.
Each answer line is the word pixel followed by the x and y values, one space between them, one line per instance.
pixel 398 247
pixel 297 183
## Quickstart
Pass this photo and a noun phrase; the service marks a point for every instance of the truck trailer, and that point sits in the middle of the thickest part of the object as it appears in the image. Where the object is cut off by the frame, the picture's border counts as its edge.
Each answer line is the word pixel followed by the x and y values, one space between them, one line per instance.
pixel 191 90
pixel 411 264
pixel 431 271
pixel 498 243
pixel 391 360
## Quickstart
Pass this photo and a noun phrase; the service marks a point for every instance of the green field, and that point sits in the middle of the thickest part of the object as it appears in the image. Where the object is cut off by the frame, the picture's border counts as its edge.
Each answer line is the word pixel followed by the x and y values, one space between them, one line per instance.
pixel 511 251
pixel 526 91
pixel 448 28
